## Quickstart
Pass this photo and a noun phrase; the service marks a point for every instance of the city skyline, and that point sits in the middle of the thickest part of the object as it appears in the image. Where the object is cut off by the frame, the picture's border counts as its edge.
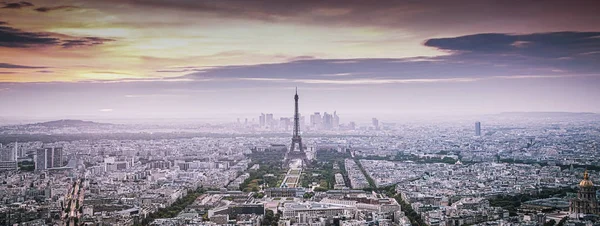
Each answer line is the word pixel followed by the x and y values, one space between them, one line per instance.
pixel 299 112
pixel 189 59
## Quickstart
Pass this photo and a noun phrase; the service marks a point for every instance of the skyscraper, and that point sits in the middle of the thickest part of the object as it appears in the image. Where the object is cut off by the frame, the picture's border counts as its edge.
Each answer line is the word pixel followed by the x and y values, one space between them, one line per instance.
pixel 477 128
pixel 47 158
pixel 8 154
pixel 375 123
pixel 8 157
pixel 336 120
pixel 327 121
pixel 262 120
pixel 270 121
pixel 40 159
pixel 315 120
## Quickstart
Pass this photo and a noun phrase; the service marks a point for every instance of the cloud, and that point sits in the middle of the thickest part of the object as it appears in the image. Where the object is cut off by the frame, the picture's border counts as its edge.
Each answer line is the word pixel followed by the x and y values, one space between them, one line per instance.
pixel 17 5
pixel 6 72
pixel 111 72
pixel 179 71
pixel 16 66
pixel 544 45
pixel 45 71
pixel 566 52
pixel 355 72
pixel 473 58
pixel 15 38
pixel 302 58
pixel 55 8
pixel 85 42
pixel 406 15
pixel 106 110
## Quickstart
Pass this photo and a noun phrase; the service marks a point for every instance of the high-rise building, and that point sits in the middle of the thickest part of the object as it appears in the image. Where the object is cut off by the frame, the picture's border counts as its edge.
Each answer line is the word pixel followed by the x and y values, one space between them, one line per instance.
pixel 269 120
pixel 8 157
pixel 40 159
pixel 15 153
pixel 327 121
pixel 262 120
pixel 316 120
pixel 375 123
pixel 477 128
pixel 336 120
pixel 9 154
pixel 47 158
pixel 57 157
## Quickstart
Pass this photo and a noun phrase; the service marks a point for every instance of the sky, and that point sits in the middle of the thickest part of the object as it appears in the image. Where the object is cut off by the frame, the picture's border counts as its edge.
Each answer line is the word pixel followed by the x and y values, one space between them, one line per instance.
pixel 188 58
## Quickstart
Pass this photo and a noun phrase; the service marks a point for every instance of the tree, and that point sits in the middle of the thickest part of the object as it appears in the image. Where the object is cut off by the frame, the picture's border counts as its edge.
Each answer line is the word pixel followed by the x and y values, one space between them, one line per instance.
pixel 320 189
pixel 269 218
pixel 562 221
pixel 550 223
pixel 308 195
pixel 175 208
pixel 258 195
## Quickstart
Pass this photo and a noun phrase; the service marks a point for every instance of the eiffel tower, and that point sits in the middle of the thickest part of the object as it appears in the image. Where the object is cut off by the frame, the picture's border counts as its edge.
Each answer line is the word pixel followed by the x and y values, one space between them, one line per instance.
pixel 294 153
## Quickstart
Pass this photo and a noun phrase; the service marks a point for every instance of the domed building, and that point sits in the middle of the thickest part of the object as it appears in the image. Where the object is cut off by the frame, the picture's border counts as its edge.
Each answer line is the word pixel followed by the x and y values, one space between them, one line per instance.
pixel 586 202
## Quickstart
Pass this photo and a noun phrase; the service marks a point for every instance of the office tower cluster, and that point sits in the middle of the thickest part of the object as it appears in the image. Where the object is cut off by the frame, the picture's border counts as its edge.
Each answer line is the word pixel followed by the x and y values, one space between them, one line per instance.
pixel 317 121
pixel 325 122
pixel 48 158
pixel 267 121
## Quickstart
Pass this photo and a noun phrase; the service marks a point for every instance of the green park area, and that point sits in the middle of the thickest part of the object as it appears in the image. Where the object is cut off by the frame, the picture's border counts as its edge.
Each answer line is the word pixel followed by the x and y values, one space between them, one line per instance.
pixel 269 174
pixel 175 208
pixel 322 170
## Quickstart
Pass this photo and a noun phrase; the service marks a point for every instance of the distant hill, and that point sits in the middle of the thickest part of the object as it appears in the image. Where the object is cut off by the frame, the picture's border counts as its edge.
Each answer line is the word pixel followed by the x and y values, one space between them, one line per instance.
pixel 69 123
pixel 549 114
